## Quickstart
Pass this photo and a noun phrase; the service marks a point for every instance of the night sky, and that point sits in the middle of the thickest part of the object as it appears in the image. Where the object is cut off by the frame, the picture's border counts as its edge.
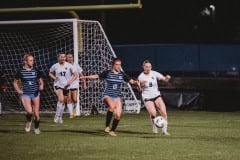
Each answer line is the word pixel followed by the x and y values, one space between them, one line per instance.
pixel 169 21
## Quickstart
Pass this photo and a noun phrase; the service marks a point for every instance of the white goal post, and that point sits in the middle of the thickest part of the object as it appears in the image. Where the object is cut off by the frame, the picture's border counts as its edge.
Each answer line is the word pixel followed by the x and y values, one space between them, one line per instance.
pixel 45 39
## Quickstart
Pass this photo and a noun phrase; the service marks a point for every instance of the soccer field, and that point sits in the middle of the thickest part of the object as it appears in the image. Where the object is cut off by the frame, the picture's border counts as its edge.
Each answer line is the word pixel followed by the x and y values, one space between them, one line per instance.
pixel 194 136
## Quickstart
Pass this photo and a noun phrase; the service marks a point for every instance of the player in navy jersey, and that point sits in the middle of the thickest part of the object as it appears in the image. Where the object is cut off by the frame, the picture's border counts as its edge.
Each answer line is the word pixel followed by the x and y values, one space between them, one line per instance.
pixel 31 85
pixel 112 93
pixel 63 74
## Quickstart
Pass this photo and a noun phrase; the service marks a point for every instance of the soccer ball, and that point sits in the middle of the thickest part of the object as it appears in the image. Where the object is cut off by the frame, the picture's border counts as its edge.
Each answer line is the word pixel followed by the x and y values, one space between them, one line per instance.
pixel 159 121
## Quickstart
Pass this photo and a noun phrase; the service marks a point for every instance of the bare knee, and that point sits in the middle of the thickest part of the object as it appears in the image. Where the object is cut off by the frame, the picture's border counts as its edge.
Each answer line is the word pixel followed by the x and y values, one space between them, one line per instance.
pixel 118 116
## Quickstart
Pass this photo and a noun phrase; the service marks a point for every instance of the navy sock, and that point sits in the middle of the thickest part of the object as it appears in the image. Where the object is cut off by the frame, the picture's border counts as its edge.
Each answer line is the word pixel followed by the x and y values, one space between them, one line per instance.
pixel 36 123
pixel 115 124
pixel 108 118
pixel 29 117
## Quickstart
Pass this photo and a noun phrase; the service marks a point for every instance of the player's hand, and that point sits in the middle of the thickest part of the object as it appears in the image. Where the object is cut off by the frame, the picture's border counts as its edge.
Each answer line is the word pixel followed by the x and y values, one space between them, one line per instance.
pixel 57 78
pixel 142 83
pixel 167 77
pixel 41 88
pixel 84 87
pixel 82 77
pixel 20 92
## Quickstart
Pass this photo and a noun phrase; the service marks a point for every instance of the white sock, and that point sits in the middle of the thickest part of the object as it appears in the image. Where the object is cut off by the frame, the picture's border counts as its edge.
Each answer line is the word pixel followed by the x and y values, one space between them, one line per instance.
pixel 62 109
pixel 74 105
pixel 58 110
pixel 165 126
pixel 70 108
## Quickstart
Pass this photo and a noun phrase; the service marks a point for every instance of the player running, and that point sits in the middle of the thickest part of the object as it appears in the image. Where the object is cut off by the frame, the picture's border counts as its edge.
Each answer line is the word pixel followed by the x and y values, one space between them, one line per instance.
pixel 112 92
pixel 63 74
pixel 151 95
pixel 32 84
pixel 73 92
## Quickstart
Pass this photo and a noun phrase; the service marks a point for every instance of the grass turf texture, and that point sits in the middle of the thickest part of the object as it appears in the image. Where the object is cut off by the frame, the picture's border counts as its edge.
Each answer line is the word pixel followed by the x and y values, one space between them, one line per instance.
pixel 194 135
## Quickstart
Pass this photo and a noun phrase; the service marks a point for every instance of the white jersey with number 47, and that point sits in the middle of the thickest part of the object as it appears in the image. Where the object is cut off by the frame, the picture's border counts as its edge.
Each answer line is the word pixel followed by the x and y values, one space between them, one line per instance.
pixel 150 89
pixel 63 72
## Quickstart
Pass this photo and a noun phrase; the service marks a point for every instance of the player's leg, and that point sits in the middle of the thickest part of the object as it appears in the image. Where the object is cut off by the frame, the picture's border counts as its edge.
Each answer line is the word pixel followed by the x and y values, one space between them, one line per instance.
pixel 152 112
pixel 36 105
pixel 74 102
pixel 60 105
pixel 26 101
pixel 118 111
pixel 110 104
pixel 160 105
pixel 69 104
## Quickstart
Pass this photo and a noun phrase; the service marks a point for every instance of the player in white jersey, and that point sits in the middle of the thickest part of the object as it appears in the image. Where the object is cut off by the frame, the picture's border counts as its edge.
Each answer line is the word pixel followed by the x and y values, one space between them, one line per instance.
pixel 63 74
pixel 151 95
pixel 74 87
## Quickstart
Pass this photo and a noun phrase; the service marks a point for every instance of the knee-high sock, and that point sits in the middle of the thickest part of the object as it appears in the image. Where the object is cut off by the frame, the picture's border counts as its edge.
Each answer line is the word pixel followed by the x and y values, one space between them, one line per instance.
pixel 58 110
pixel 70 108
pixel 108 118
pixel 114 125
pixel 165 126
pixel 62 109
pixel 28 117
pixel 36 123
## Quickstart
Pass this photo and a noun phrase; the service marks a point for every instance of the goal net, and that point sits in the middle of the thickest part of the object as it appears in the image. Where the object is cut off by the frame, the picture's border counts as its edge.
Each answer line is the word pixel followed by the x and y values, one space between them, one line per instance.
pixel 45 39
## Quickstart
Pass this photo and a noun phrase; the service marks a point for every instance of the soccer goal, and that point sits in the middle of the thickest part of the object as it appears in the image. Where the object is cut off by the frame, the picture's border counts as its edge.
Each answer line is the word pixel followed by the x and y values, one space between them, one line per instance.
pixel 45 39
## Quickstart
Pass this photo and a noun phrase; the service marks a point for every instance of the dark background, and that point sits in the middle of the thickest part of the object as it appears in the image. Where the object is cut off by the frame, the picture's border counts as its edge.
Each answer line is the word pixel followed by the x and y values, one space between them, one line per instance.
pixel 171 24
pixel 159 21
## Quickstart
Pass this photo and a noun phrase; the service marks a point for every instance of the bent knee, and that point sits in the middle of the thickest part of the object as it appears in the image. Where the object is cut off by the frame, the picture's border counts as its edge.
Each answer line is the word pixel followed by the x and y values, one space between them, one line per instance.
pixel 117 117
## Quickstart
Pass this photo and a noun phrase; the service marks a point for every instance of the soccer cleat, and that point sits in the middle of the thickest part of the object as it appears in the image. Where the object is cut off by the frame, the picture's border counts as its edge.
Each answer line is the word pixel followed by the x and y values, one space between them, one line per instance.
pixel 37 131
pixel 56 119
pixel 106 130
pixel 28 126
pixel 112 133
pixel 155 129
pixel 60 120
pixel 165 134
pixel 74 113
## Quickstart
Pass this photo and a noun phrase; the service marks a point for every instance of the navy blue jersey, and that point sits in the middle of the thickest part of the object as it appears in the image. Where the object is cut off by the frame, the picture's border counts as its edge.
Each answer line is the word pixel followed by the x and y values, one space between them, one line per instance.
pixel 113 82
pixel 29 80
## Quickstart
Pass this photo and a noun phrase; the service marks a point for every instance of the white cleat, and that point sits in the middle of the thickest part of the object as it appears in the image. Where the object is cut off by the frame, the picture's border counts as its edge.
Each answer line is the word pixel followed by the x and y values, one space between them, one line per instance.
pixel 165 134
pixel 106 130
pixel 60 120
pixel 112 133
pixel 56 119
pixel 155 129
pixel 28 126
pixel 37 131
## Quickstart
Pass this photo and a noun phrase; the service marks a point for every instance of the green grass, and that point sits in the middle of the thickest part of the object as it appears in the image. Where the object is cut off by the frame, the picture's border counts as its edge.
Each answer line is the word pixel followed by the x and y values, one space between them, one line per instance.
pixel 194 136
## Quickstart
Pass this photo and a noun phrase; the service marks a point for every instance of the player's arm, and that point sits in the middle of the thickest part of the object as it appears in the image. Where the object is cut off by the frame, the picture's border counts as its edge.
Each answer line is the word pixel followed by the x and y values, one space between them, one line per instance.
pixel 93 76
pixel 102 75
pixel 166 78
pixel 131 81
pixel 16 86
pixel 52 75
pixel 40 80
pixel 16 82
pixel 83 82
pixel 74 77
pixel 41 84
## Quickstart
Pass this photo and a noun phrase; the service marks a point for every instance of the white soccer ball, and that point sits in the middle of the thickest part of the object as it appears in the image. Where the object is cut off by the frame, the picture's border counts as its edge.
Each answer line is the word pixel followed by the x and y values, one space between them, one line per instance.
pixel 159 121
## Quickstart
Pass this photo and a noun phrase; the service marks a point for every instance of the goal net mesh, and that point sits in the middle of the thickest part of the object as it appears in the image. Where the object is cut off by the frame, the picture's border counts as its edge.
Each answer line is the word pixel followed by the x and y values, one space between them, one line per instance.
pixel 45 39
